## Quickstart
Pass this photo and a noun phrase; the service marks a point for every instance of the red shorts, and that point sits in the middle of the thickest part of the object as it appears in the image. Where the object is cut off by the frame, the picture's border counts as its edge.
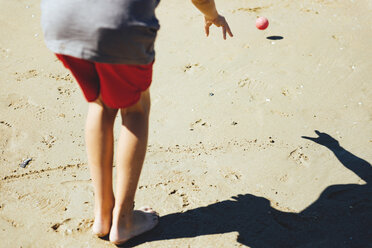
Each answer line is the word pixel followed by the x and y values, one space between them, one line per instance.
pixel 120 85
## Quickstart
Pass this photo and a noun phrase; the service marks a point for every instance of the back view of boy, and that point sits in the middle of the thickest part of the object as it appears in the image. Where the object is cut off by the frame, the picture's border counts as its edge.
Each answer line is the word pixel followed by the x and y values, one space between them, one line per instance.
pixel 109 48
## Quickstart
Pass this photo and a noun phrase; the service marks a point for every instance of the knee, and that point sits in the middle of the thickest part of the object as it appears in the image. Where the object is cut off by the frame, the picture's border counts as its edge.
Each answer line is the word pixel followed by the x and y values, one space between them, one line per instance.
pixel 98 106
pixel 141 107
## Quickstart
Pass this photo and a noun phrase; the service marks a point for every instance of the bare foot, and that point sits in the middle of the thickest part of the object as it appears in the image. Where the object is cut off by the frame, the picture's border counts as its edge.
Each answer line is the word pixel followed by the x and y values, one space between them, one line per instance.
pixel 142 220
pixel 102 224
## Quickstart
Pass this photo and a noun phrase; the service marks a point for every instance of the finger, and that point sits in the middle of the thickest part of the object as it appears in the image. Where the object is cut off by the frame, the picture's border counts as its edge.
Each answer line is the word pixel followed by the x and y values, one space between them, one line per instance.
pixel 224 32
pixel 229 30
pixel 207 25
pixel 309 138
pixel 317 132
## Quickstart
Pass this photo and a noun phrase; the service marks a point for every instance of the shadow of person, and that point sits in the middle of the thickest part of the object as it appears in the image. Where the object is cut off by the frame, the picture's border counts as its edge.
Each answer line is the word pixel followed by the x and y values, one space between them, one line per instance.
pixel 340 217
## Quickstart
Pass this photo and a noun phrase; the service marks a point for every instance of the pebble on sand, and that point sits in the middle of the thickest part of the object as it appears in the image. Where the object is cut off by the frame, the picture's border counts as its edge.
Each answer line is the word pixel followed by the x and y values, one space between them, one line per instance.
pixel 25 163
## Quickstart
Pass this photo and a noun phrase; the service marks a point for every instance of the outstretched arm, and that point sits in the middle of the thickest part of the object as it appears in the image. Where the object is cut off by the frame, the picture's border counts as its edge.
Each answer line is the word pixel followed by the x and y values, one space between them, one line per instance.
pixel 211 16
pixel 359 166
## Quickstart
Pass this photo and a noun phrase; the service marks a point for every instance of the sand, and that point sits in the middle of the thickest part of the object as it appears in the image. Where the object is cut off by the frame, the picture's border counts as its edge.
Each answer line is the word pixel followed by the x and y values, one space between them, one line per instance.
pixel 226 165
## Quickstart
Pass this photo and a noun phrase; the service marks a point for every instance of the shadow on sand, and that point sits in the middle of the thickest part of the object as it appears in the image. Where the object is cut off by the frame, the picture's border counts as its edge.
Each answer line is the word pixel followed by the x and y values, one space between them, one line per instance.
pixel 275 37
pixel 340 217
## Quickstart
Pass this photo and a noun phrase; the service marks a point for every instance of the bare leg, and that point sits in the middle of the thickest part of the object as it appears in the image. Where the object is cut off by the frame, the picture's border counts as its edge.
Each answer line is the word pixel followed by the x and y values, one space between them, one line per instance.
pixel 131 151
pixel 99 142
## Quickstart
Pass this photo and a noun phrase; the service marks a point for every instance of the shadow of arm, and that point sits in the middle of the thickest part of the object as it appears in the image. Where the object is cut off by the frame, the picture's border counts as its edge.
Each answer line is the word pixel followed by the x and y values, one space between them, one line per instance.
pixel 359 166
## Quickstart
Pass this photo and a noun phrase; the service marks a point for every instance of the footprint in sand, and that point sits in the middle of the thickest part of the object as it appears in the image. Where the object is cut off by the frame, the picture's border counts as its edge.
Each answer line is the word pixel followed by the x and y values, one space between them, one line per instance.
pixel 255 88
pixel 70 226
pixel 46 203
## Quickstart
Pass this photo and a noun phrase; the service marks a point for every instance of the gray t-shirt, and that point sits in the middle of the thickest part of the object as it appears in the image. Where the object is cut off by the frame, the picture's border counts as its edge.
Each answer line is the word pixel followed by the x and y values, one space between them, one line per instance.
pixel 107 31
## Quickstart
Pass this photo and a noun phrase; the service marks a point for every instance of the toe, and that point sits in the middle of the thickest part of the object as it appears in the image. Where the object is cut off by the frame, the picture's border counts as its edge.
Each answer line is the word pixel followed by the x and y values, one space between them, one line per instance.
pixel 147 210
pixel 100 235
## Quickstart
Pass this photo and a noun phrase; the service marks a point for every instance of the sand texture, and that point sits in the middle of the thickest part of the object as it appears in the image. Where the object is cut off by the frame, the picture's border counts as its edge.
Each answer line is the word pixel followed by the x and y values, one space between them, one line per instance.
pixel 227 165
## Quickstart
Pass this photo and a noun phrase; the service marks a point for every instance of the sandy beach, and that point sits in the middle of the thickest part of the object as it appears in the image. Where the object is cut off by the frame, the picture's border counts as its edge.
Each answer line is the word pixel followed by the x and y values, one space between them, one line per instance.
pixel 227 163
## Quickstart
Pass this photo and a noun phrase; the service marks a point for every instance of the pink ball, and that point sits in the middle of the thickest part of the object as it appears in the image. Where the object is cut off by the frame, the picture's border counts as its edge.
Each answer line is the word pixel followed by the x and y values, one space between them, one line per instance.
pixel 262 23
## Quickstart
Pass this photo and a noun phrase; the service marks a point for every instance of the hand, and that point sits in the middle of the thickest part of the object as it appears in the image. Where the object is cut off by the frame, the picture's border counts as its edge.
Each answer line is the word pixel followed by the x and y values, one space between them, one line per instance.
pixel 219 21
pixel 323 139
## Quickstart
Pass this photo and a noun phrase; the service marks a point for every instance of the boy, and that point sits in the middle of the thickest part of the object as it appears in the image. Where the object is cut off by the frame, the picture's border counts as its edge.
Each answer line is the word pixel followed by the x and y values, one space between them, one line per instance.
pixel 109 48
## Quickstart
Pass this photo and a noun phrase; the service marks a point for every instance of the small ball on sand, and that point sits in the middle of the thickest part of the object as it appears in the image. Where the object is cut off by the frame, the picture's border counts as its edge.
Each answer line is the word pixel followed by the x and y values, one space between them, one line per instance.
pixel 262 23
